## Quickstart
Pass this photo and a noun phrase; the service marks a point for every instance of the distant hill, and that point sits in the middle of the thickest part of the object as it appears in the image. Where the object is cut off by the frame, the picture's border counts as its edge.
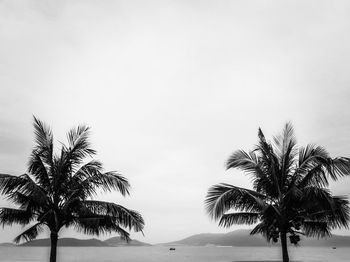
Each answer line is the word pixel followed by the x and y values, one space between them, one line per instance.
pixel 243 238
pixel 66 242
pixel 74 242
pixel 235 238
pixel 7 245
pixel 117 241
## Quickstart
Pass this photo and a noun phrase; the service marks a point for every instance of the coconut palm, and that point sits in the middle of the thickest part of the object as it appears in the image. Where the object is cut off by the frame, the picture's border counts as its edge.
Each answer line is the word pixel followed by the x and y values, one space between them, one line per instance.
pixel 59 188
pixel 289 196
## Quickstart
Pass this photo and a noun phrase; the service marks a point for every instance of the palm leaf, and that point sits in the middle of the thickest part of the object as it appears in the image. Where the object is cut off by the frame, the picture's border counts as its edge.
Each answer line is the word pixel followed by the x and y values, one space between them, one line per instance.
pixel 32 201
pixel 39 169
pixel 30 234
pixel 285 144
pixel 79 144
pixel 249 218
pixel 316 176
pixel 243 160
pixel 316 228
pixel 100 225
pixel 223 197
pixel 265 229
pixel 43 141
pixel 309 154
pixel 9 216
pixel 89 178
pixel 125 217
pixel 340 214
pixel 340 167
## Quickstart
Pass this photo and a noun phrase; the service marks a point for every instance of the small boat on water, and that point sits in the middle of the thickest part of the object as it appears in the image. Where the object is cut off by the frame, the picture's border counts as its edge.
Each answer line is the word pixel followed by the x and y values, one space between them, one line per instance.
pixel 172 249
pixel 334 247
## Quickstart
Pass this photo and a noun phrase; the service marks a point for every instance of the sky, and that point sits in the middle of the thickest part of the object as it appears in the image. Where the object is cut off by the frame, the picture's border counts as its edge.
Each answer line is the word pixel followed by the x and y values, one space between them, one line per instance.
pixel 171 89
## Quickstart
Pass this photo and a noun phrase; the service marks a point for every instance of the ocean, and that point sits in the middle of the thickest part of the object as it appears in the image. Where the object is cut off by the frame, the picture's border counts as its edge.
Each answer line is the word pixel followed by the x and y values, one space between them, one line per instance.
pixel 181 254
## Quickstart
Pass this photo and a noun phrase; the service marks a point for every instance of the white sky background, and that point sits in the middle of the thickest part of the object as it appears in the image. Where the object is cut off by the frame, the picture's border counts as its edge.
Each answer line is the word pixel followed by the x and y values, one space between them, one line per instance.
pixel 171 88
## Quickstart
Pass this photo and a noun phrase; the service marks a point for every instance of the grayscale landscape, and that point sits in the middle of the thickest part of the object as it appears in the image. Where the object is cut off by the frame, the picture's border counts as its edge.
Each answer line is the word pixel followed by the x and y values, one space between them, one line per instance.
pixel 174 131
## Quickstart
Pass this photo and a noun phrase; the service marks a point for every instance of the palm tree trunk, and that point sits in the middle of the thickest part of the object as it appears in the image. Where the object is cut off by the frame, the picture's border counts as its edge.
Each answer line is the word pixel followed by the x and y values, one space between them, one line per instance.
pixel 284 247
pixel 53 252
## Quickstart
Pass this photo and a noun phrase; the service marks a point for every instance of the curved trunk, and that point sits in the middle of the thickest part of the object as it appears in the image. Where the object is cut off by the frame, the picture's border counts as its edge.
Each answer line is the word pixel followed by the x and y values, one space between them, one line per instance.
pixel 284 247
pixel 53 252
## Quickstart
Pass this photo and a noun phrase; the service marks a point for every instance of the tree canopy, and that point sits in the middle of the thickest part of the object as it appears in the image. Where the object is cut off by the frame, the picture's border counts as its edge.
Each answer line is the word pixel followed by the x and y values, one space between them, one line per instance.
pixel 59 190
pixel 289 192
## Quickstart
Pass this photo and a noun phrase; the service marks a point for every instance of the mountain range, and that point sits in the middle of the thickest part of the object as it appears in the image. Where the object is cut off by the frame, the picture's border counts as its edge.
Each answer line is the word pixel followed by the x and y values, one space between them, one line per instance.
pixel 243 238
pixel 234 238
pixel 93 242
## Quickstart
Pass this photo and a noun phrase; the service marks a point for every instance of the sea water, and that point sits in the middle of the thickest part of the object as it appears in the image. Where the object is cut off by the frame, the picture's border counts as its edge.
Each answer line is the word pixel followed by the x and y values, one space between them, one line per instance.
pixel 181 254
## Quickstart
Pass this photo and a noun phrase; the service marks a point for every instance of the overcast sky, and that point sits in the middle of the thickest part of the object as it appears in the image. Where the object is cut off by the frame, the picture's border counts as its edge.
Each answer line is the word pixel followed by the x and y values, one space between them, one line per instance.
pixel 171 88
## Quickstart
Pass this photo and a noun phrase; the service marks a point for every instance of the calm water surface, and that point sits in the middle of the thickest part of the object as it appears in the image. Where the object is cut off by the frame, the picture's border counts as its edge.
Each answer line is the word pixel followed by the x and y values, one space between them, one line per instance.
pixel 162 254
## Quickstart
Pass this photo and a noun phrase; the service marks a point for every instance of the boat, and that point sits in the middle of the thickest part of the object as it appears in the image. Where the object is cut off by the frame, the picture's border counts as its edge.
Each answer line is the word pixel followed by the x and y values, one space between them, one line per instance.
pixel 172 248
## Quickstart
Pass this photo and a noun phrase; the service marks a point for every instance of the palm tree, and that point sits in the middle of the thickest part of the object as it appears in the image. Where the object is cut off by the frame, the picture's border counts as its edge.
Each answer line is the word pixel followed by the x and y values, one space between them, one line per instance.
pixel 289 194
pixel 59 188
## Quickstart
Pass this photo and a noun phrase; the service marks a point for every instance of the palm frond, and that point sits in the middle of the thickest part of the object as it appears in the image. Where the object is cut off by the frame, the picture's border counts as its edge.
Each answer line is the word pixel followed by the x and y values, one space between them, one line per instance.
pixel 271 214
pixel 8 183
pixel 265 229
pixel 23 183
pixel 287 137
pixel 239 218
pixel 316 228
pixel 114 181
pixel 313 157
pixel 292 194
pixel 251 164
pixel 259 229
pixel 315 197
pixel 97 225
pixel 316 176
pixel 340 167
pixel 285 147
pixel 9 216
pixel 223 197
pixel 270 160
pixel 39 169
pixel 33 201
pixel 30 234
pixel 79 144
pixel 90 177
pixel 309 154
pixel 87 170
pixel 242 160
pixel 83 183
pixel 265 149
pixel 125 217
pixel 340 214
pixel 43 140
